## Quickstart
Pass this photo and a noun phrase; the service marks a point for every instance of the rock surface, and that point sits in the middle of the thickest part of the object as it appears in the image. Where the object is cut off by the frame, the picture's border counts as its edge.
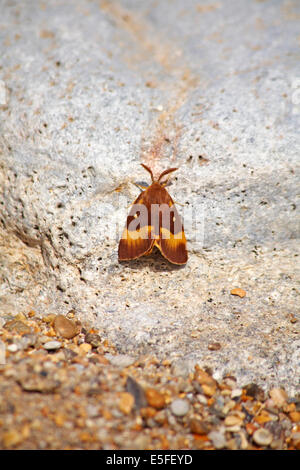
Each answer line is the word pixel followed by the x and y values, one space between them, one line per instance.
pixel 90 90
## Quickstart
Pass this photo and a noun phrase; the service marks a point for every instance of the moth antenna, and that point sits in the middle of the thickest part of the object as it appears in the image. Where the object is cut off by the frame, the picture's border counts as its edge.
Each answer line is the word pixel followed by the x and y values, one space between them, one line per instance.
pixel 148 169
pixel 166 172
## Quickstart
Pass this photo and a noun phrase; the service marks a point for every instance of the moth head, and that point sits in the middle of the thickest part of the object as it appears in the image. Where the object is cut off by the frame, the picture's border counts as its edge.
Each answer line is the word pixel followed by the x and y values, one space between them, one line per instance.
pixel 164 173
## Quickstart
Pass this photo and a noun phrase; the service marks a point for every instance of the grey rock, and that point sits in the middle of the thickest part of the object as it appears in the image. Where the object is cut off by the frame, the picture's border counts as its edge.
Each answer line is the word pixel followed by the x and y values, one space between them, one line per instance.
pixel 218 439
pixel 262 437
pixel 179 407
pixel 52 345
pixel 120 360
pixel 101 88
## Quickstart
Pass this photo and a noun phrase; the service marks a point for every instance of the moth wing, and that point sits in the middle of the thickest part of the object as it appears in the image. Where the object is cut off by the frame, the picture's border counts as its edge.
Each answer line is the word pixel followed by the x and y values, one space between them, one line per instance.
pixel 136 239
pixel 172 241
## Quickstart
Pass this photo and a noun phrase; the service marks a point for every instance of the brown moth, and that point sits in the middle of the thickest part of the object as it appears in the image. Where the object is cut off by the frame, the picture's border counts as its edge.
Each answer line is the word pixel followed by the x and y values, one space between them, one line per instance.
pixel 153 220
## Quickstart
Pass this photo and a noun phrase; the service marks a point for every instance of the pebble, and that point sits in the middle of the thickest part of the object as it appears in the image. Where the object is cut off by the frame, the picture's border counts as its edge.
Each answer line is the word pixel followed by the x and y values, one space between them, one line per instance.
pixel 65 327
pixel 262 437
pixel 180 407
pixel 155 398
pixel 52 345
pixel 84 348
pixel 17 326
pixel 137 392
pixel 120 360
pixel 218 439
pixel 233 420
pixel 12 438
pixel 93 339
pixel 126 403
pixel 197 426
pixel 12 348
pixel 278 396
pixel 214 346
pixel 180 368
pixel 236 392
pixel 238 291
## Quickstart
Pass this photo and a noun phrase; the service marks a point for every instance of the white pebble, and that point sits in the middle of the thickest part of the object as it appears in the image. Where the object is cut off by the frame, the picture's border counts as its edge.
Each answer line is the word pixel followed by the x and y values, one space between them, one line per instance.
pixel 262 437
pixel 236 392
pixel 218 439
pixel 120 360
pixel 52 345
pixel 12 348
pixel 180 407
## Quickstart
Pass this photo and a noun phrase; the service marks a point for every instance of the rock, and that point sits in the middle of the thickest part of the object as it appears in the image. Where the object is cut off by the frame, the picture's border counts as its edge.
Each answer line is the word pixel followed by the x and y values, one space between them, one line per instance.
pixel 38 383
pixel 253 390
pixel 236 392
pixel 218 439
pixel 278 396
pixel 12 438
pixel 18 327
pixel 179 407
pixel 228 118
pixel 93 339
pixel 12 348
pixel 52 345
pixel 240 292
pixel 214 346
pixel 198 426
pixel 120 360
pixel 262 437
pixel 65 327
pixel 84 348
pixel 155 398
pixel 295 416
pixel 137 392
pixel 126 403
pixel 233 420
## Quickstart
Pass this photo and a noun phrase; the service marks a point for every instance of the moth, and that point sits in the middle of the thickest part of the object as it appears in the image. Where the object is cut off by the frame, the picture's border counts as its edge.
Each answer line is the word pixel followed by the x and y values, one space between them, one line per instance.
pixel 153 220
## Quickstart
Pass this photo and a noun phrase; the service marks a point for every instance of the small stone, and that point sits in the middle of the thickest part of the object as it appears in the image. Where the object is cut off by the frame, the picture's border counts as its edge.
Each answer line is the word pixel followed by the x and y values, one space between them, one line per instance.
pixel 233 420
pixel 52 345
pixel 262 437
pixel 12 439
pixel 69 354
pixel 155 398
pixel 120 360
pixel 197 426
pixel 278 396
pixel 209 390
pixel 49 318
pixel 236 392
pixel 65 327
pixel 202 377
pixel 93 339
pixel 137 392
pixel 17 326
pixel 28 340
pixel 296 440
pixel 238 291
pixel 180 407
pixel 12 348
pixel 218 439
pixel 201 399
pixel 214 346
pixel 84 348
pixel 126 402
pixel 295 416
pixel 253 390
pixel 180 369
